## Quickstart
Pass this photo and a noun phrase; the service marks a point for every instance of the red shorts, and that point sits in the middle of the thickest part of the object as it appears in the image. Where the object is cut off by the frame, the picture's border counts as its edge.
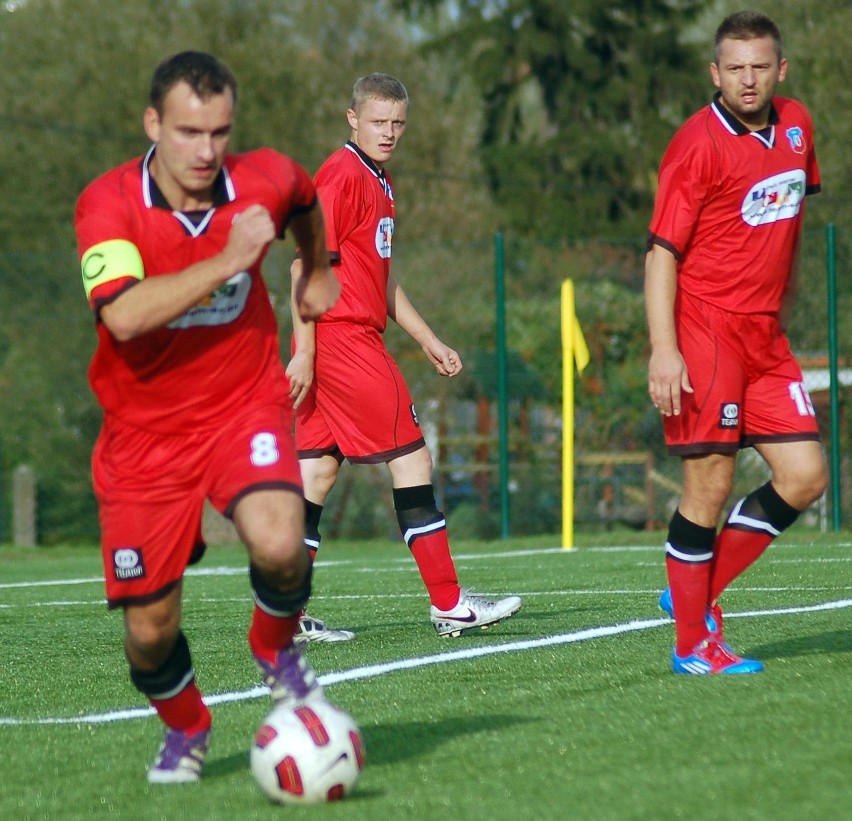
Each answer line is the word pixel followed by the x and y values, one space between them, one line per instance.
pixel 151 489
pixel 359 405
pixel 748 387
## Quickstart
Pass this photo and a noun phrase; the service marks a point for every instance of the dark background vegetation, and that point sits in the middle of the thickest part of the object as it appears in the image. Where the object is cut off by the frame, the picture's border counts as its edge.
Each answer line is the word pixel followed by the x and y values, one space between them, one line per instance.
pixel 543 120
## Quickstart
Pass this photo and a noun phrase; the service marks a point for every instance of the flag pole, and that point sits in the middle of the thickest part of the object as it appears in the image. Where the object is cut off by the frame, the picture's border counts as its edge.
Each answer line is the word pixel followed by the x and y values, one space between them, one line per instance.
pixel 574 350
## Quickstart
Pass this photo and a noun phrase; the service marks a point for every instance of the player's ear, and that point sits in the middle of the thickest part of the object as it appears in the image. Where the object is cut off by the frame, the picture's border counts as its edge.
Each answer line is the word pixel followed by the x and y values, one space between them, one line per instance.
pixel 714 75
pixel 352 117
pixel 151 122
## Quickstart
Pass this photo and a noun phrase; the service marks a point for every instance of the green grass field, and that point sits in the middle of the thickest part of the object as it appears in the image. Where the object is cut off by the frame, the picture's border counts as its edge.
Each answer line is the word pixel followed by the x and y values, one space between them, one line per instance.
pixel 569 710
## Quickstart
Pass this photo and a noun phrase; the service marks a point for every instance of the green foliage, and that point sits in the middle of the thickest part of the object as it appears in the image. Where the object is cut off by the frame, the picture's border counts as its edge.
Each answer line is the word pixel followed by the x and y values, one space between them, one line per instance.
pixel 539 118
pixel 579 99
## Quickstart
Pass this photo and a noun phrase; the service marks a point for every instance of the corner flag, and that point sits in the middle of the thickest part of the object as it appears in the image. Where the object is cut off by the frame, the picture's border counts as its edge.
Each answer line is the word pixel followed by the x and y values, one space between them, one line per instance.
pixel 574 351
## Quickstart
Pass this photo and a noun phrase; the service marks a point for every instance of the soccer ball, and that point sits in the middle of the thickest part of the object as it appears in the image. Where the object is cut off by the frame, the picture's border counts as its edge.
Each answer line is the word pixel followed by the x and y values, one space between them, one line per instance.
pixel 307 753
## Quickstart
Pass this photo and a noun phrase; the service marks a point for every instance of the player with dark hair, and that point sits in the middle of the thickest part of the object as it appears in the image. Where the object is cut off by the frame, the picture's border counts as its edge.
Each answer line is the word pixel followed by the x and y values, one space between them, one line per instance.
pixel 719 286
pixel 196 401
pixel 354 401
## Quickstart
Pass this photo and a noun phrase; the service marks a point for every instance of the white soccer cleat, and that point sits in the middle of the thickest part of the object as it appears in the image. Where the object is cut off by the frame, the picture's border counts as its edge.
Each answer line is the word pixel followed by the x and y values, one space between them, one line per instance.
pixel 473 612
pixel 314 629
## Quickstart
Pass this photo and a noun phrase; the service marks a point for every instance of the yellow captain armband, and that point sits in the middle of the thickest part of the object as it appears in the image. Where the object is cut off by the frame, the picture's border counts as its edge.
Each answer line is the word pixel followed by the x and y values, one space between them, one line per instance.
pixel 110 260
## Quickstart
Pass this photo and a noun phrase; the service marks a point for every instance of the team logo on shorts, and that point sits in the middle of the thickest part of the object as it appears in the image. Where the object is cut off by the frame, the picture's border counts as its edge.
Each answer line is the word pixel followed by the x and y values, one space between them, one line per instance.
pixel 729 415
pixel 127 564
pixel 414 414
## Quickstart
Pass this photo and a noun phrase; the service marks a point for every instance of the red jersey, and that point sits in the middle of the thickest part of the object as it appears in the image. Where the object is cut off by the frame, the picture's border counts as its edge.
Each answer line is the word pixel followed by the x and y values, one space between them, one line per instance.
pixel 357 203
pixel 730 204
pixel 205 364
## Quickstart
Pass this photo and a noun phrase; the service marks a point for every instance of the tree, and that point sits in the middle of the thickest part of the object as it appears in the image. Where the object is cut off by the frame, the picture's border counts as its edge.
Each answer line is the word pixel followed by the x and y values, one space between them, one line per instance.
pixel 580 99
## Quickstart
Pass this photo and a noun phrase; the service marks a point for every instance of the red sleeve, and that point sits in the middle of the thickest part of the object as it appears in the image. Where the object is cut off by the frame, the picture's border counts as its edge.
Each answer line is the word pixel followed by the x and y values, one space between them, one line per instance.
pixel 340 211
pixel 686 175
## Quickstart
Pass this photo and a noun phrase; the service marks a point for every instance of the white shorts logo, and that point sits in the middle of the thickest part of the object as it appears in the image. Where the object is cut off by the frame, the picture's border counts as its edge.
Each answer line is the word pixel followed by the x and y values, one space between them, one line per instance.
pixel 127 564
pixel 384 234
pixel 729 416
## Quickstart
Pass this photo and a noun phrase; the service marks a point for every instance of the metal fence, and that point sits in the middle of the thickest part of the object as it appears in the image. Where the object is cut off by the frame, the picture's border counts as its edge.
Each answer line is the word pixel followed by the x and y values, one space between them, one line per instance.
pixel 623 476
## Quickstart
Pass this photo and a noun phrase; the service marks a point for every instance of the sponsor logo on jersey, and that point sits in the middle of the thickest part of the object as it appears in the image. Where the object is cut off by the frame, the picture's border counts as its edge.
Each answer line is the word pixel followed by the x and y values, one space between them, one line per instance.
pixel 223 306
pixel 776 198
pixel 796 136
pixel 729 415
pixel 127 564
pixel 384 235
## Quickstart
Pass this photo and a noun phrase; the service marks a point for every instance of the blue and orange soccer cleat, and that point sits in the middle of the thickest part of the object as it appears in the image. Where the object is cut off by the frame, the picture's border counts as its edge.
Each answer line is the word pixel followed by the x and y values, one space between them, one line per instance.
pixel 710 658
pixel 712 619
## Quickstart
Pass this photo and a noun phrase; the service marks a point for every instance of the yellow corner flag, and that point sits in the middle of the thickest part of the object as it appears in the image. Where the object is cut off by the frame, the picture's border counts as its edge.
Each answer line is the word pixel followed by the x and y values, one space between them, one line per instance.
pixel 574 351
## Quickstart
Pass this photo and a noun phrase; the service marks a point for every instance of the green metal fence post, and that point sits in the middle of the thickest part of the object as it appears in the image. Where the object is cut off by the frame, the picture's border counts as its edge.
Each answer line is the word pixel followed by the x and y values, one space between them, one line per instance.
pixel 502 379
pixel 834 385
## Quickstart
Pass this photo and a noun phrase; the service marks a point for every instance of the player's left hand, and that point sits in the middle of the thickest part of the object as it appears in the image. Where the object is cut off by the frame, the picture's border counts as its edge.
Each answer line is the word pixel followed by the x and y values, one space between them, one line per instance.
pixel 316 294
pixel 447 362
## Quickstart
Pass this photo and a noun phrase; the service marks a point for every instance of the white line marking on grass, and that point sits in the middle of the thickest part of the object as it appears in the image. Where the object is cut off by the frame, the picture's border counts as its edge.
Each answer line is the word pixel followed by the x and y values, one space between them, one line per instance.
pixel 374 670
pixel 653 592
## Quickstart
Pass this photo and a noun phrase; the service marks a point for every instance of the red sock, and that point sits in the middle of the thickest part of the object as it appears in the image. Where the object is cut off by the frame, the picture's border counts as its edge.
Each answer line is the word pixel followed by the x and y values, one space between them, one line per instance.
pixel 689 583
pixel 735 550
pixel 185 711
pixel 431 551
pixel 269 634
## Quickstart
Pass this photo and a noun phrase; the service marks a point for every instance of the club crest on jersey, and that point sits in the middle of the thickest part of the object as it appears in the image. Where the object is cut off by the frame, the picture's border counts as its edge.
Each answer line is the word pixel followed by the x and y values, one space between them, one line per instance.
pixel 127 564
pixel 796 136
pixel 776 198
pixel 384 234
pixel 729 415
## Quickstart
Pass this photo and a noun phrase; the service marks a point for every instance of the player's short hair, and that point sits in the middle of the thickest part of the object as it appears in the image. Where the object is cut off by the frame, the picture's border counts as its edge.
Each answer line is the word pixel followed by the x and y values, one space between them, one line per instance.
pixel 747 25
pixel 202 72
pixel 379 87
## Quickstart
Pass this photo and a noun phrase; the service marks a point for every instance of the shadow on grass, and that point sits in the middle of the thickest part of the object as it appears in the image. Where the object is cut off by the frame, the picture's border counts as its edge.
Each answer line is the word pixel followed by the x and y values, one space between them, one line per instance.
pixel 392 743
pixel 834 641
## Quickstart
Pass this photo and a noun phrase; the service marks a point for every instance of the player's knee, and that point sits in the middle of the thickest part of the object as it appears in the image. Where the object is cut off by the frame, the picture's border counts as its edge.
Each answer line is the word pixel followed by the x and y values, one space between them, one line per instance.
pixel 151 632
pixel 318 477
pixel 283 558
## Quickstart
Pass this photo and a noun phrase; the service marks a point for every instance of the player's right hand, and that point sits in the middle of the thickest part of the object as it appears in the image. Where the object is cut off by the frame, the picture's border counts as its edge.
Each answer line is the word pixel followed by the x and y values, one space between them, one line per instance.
pixel 251 231
pixel 668 380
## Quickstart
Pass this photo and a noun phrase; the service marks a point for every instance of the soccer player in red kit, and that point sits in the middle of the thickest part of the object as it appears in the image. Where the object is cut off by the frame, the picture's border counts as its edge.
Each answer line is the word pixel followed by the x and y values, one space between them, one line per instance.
pixel 196 401
pixel 720 279
pixel 354 401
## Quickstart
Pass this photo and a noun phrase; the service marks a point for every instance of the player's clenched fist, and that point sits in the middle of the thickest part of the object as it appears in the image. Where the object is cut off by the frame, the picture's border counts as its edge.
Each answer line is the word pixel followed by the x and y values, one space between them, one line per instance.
pixel 251 231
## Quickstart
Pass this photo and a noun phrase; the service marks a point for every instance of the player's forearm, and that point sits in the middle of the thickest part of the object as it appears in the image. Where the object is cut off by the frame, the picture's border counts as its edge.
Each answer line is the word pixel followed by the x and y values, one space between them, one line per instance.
pixel 660 290
pixel 156 301
pixel 309 232
pixel 401 311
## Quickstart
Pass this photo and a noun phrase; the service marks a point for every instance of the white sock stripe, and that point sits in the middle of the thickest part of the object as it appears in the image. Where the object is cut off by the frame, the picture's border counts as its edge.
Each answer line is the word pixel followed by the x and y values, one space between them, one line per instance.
pixel 413 532
pixel 281 614
pixel 747 521
pixel 175 690
pixel 314 543
pixel 693 558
